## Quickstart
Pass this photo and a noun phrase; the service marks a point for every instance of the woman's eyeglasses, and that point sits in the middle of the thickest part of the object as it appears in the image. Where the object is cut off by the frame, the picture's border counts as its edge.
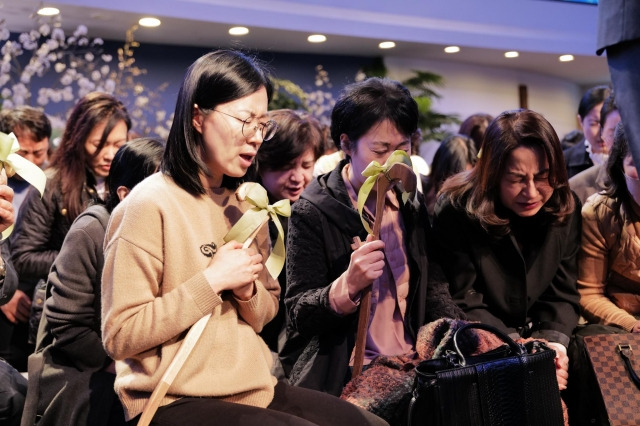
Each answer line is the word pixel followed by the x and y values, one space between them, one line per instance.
pixel 251 125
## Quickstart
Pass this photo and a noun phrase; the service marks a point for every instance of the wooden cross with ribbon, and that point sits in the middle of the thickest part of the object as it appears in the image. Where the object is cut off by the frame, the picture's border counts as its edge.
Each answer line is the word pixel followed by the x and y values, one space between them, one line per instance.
pixel 396 171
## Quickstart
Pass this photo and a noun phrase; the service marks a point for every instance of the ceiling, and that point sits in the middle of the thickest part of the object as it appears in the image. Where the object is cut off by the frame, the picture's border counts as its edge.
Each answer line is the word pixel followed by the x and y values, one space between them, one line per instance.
pixel 540 30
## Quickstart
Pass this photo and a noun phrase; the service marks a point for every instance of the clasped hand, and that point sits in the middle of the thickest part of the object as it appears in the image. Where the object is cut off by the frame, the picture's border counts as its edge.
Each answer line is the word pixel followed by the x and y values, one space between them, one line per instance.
pixel 234 268
pixel 365 266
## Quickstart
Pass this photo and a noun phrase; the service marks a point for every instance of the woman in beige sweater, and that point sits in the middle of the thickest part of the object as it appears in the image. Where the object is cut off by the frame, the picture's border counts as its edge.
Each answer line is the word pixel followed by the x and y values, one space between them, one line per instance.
pixel 167 266
pixel 609 275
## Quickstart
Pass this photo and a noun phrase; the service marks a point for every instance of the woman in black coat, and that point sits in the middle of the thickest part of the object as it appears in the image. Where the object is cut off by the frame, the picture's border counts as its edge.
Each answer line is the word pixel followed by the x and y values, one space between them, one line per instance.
pixel 326 272
pixel 509 232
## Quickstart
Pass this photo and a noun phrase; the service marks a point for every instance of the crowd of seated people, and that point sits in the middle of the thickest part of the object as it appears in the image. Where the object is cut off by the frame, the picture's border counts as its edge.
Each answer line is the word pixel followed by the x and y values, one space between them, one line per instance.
pixel 100 282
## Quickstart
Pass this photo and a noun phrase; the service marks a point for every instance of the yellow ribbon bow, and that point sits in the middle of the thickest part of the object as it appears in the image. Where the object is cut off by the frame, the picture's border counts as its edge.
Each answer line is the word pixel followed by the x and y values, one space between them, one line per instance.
pixel 254 217
pixel 372 171
pixel 15 164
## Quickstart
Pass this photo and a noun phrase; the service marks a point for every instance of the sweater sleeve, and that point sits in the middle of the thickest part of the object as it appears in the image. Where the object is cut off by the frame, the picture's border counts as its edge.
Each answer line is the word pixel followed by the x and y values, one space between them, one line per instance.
pixel 263 306
pixel 75 284
pixel 137 315
pixel 308 280
pixel 593 272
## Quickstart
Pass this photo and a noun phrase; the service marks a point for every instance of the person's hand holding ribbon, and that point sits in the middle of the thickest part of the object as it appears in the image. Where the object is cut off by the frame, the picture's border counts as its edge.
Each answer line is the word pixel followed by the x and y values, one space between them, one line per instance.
pixel 12 163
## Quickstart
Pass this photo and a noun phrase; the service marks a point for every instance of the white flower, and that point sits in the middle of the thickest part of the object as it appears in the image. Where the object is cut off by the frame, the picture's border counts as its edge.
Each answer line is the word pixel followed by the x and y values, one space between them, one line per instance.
pixel 52 57
pixel 6 92
pixel 98 41
pixel 89 57
pixel 18 100
pixel 5 67
pixel 160 115
pixel 109 85
pixel 67 94
pixel 42 100
pixel 95 75
pixel 34 34
pixel 4 33
pixel 25 77
pixel 107 58
pixel 66 79
pixel 80 31
pixel 56 96
pixel 141 101
pixel 7 104
pixel 23 38
pixel 53 44
pixel 20 89
pixel 104 70
pixel 45 30
pixel 4 79
pixel 58 35
pixel 71 40
pixel 83 41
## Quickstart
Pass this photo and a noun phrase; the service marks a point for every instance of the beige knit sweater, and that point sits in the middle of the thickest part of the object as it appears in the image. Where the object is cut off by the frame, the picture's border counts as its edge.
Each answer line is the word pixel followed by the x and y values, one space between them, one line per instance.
pixel 154 290
pixel 609 257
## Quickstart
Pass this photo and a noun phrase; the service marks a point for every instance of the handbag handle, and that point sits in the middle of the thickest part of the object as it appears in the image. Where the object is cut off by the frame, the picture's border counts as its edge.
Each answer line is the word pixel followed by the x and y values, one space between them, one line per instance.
pixel 625 352
pixel 516 348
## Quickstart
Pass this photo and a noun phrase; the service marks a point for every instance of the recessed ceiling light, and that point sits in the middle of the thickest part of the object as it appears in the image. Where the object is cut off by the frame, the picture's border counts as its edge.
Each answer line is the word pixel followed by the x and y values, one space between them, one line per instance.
pixel 511 54
pixel 149 22
pixel 48 11
pixel 387 45
pixel 316 38
pixel 239 31
pixel 566 58
pixel 452 49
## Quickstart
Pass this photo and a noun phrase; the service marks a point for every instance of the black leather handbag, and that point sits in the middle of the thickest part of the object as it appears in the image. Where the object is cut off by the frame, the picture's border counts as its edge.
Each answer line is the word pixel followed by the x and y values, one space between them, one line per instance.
pixel 514 384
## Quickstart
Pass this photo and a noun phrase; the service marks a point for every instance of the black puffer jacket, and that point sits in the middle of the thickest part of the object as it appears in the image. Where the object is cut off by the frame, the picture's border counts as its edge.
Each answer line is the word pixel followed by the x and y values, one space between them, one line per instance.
pixel 40 229
pixel 321 229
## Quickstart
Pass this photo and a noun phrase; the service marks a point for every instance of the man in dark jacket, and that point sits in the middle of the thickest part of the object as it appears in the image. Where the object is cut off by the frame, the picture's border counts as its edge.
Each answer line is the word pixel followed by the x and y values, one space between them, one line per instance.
pixel 619 35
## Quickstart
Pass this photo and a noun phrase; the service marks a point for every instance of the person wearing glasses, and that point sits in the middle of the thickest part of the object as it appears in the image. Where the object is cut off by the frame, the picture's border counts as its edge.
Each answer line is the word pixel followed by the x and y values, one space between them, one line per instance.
pixel 167 266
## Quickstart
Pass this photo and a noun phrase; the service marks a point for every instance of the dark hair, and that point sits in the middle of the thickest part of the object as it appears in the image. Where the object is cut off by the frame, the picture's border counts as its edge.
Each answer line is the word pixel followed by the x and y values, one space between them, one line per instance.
pixel 366 103
pixel 26 118
pixel 475 127
pixel 608 107
pixel 213 79
pixel 70 159
pixel 616 186
pixel 592 98
pixel 452 157
pixel 296 134
pixel 133 162
pixel 478 190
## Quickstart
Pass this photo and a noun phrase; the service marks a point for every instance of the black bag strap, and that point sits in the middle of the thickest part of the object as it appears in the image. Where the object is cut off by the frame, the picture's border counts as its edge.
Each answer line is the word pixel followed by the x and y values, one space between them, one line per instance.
pixel 625 352
pixel 516 348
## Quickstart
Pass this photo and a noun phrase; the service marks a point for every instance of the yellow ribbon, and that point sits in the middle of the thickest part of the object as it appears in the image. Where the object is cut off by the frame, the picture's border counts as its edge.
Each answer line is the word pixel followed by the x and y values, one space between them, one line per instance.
pixel 254 217
pixel 14 163
pixel 372 171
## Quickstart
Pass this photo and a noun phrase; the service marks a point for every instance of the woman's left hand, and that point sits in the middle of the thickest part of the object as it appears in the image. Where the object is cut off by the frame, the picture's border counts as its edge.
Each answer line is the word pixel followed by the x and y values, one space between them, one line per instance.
pixel 562 364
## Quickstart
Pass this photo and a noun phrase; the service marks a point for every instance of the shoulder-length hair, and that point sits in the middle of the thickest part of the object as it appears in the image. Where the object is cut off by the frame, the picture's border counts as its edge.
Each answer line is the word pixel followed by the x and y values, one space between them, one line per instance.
pixel 369 102
pixel 296 134
pixel 133 162
pixel 71 161
pixel 213 79
pixel 478 190
pixel 616 186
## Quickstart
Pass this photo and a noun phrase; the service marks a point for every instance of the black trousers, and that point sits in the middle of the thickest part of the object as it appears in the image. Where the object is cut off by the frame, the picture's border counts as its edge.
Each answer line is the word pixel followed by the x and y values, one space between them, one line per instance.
pixel 291 406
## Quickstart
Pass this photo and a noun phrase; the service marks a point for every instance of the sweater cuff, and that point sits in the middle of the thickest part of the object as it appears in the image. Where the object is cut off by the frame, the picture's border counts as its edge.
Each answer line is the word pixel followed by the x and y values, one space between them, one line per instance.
pixel 202 293
pixel 339 297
